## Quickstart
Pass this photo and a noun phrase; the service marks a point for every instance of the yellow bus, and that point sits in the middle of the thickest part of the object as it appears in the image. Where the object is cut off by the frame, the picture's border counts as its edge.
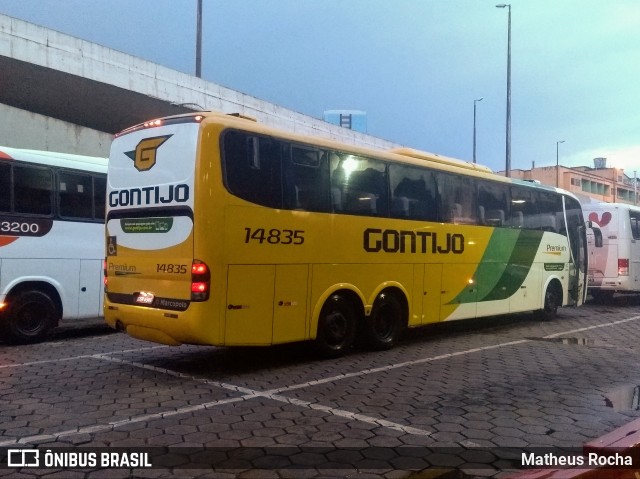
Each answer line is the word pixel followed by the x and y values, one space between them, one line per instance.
pixel 222 231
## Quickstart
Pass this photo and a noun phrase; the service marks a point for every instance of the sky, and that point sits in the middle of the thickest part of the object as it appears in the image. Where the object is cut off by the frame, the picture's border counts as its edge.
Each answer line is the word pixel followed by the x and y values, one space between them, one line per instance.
pixel 414 66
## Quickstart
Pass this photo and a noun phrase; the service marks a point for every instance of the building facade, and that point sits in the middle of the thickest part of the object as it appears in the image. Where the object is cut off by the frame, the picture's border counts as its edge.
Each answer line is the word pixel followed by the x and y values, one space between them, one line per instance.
pixel 609 185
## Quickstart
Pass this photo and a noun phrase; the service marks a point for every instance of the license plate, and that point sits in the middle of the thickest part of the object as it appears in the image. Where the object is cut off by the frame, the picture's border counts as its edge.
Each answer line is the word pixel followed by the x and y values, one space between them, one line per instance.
pixel 144 298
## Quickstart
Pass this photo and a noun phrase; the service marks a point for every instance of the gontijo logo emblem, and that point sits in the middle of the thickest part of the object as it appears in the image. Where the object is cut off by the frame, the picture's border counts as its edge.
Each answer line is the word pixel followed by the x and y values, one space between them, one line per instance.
pixel 144 156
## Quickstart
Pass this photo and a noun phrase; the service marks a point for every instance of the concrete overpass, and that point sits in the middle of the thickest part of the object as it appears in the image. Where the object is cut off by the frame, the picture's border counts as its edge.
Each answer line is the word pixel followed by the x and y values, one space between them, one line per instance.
pixel 61 93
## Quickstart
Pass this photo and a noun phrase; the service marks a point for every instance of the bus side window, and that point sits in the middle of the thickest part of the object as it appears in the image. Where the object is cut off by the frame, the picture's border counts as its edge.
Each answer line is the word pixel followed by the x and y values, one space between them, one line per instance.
pixel 635 224
pixel 524 212
pixel 306 179
pixel 493 206
pixel 550 210
pixel 458 201
pixel 361 185
pixel 412 193
pixel 5 187
pixel 33 190
pixel 252 168
pixel 99 196
pixel 75 198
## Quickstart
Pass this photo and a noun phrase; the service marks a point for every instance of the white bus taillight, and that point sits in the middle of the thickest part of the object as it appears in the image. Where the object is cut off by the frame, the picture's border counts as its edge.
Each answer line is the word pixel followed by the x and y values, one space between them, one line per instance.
pixel 623 267
pixel 200 281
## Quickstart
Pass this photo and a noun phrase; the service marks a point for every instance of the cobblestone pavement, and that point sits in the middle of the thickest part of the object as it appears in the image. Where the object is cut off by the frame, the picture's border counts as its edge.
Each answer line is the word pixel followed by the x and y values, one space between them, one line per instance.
pixel 451 397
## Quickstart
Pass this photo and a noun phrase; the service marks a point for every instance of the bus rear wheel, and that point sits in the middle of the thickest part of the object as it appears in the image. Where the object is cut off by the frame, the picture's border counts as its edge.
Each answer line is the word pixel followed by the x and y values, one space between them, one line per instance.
pixel 336 327
pixel 602 296
pixel 384 326
pixel 30 316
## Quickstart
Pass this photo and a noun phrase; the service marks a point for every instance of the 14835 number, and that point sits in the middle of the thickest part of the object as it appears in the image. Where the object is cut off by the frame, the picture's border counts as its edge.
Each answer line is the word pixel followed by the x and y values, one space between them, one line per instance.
pixel 274 236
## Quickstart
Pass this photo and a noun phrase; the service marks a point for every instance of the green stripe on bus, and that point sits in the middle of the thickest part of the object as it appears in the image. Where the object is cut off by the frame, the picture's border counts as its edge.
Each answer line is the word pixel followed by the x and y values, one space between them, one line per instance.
pixel 517 267
pixel 504 265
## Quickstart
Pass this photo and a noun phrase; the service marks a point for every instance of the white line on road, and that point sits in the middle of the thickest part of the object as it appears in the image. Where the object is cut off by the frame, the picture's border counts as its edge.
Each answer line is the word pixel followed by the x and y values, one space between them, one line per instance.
pixel 273 394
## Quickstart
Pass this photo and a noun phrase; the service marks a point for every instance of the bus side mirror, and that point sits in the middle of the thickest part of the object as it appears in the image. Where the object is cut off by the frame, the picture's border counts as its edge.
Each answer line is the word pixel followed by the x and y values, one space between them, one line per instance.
pixel 597 234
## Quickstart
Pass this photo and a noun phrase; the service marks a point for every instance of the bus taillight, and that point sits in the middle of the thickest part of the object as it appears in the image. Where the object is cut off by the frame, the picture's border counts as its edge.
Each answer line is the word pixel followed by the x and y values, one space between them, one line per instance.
pixel 623 267
pixel 104 273
pixel 200 281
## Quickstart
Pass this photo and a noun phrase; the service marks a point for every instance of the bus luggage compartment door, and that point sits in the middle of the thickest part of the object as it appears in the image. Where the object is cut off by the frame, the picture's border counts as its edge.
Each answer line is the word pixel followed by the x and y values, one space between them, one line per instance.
pixel 266 304
pixel 290 303
pixel 90 295
pixel 249 313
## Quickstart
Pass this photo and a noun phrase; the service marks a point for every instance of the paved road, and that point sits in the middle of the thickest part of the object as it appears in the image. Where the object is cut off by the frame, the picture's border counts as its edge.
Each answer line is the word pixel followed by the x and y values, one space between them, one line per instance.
pixel 457 395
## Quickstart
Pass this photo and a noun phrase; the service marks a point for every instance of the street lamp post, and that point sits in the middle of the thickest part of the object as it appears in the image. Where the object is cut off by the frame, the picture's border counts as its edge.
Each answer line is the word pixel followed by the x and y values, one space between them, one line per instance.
pixel 199 40
pixel 558 164
pixel 508 133
pixel 474 127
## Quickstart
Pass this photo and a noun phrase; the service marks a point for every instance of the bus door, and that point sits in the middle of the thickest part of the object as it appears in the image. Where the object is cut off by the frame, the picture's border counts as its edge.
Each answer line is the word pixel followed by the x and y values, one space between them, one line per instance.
pixel 577 237
pixel 266 304
pixel 431 293
pixel 90 296
pixel 582 264
pixel 634 250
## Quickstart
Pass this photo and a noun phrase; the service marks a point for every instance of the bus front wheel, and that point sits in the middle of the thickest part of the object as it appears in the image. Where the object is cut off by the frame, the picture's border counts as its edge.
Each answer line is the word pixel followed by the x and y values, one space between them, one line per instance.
pixel 552 301
pixel 336 327
pixel 30 316
pixel 384 326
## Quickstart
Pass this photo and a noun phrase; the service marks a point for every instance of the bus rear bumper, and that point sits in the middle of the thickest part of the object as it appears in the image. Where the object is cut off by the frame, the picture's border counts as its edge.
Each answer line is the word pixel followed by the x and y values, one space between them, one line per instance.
pixel 159 326
pixel 149 334
pixel 137 324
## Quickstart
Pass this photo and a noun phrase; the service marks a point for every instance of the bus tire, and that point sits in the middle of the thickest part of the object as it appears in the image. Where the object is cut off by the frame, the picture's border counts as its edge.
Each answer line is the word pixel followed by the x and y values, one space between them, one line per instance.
pixel 383 328
pixel 602 296
pixel 30 316
pixel 336 327
pixel 552 301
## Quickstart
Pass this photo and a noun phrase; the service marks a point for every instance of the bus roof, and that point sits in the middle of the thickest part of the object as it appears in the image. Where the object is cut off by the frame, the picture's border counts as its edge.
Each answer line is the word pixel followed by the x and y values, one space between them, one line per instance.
pixel 404 154
pixel 609 206
pixel 423 155
pixel 50 158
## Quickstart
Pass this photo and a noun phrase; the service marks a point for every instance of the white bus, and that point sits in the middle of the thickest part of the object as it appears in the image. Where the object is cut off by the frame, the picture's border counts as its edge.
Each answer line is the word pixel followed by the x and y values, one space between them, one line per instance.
pixel 615 267
pixel 51 240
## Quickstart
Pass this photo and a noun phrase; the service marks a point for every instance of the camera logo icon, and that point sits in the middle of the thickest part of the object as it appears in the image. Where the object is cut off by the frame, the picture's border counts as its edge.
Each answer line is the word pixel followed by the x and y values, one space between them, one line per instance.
pixel 23 458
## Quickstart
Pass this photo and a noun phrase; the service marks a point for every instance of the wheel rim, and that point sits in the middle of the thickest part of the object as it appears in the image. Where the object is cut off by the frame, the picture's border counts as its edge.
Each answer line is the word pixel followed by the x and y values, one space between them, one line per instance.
pixel 384 322
pixel 31 317
pixel 336 328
